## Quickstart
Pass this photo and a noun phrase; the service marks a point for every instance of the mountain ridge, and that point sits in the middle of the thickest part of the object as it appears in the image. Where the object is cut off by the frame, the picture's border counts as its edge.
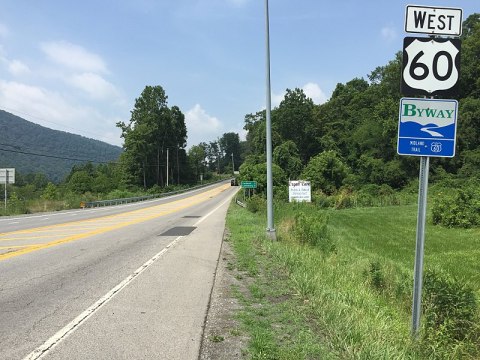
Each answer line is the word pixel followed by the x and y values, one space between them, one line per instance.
pixel 32 148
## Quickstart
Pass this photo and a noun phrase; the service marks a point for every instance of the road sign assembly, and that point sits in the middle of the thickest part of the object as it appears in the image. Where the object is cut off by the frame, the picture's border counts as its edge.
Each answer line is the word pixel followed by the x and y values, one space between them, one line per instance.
pixel 430 66
pixel 427 127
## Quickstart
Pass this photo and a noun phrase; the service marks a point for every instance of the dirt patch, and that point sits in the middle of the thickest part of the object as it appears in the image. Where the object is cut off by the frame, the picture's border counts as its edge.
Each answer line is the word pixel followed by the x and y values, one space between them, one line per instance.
pixel 223 337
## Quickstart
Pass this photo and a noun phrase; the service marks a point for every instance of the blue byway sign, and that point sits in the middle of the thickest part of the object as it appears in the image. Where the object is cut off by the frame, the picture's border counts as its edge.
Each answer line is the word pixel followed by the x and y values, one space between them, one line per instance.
pixel 427 127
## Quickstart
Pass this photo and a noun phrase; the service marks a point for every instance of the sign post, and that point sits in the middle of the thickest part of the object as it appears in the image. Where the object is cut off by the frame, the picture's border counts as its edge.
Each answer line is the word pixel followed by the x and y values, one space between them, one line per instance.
pixel 427 127
pixel 420 244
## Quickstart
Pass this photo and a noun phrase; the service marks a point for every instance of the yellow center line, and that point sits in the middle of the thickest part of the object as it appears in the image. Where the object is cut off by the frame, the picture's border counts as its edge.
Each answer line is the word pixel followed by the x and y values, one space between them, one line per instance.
pixel 123 220
pixel 15 246
pixel 33 237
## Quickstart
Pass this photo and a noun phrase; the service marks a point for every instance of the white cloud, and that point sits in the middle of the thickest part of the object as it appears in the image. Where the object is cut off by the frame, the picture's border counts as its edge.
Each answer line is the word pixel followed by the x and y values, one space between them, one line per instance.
pixel 17 68
pixel 311 90
pixel 277 99
pixel 53 110
pixel 314 92
pixel 73 57
pixel 388 33
pixel 94 85
pixel 201 126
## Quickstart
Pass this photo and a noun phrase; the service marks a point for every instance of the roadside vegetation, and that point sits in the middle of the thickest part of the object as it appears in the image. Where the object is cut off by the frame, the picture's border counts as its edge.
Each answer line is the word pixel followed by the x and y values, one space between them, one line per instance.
pixel 338 284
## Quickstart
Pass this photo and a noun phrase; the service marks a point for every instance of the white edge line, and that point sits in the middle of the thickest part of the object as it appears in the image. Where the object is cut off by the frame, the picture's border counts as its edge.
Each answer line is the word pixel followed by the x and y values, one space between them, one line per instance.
pixel 211 212
pixel 68 329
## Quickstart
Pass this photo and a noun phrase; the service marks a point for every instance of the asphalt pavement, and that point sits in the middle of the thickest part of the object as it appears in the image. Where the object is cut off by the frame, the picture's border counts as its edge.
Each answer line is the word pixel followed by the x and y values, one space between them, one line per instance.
pixel 138 291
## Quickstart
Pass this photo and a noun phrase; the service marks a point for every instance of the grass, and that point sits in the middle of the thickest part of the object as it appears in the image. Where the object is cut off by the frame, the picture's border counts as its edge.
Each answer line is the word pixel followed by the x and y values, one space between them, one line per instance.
pixel 354 303
pixel 389 233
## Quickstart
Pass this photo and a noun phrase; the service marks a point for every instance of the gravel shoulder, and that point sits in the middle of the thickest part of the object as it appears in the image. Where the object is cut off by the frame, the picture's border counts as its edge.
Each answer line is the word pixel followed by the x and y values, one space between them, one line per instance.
pixel 223 337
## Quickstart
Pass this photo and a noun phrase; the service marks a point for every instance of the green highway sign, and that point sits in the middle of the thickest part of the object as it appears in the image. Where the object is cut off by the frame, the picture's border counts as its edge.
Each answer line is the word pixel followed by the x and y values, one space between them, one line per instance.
pixel 249 184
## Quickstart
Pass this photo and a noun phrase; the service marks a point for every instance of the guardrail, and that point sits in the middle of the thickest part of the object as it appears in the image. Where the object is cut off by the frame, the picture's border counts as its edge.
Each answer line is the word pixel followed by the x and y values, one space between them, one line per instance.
pixel 101 203
pixel 240 203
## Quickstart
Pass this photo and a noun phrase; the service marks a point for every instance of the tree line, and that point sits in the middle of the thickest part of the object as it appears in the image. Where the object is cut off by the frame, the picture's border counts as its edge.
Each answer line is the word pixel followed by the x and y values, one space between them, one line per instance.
pixel 350 141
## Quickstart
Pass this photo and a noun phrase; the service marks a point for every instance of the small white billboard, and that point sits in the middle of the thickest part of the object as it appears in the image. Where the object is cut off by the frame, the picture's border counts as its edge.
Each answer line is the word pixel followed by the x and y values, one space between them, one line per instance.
pixel 300 191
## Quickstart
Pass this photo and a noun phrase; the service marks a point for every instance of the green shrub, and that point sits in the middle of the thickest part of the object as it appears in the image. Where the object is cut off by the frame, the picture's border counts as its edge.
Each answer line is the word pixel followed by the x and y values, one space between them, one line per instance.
pixel 15 205
pixel 457 207
pixel 326 171
pixel 450 308
pixel 376 275
pixel 322 200
pixel 345 199
pixel 256 203
pixel 119 194
pixel 313 230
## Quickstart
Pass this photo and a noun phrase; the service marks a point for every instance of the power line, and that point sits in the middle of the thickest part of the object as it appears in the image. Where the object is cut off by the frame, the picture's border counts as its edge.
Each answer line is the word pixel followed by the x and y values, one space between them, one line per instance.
pixel 56 157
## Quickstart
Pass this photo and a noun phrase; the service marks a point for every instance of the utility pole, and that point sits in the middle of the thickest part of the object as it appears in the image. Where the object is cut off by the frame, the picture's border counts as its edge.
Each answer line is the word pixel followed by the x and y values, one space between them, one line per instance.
pixel 233 166
pixel 6 182
pixel 270 228
pixel 167 167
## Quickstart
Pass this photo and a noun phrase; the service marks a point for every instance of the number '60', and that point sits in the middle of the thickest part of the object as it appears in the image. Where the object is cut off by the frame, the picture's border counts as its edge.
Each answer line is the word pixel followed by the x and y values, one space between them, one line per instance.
pixel 424 68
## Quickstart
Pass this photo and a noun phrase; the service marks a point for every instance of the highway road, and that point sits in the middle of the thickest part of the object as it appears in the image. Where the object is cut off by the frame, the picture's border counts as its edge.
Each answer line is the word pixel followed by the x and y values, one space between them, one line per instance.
pixel 124 282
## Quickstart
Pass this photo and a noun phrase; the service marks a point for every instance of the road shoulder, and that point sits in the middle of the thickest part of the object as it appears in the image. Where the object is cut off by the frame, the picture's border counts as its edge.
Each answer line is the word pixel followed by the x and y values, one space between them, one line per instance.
pixel 222 336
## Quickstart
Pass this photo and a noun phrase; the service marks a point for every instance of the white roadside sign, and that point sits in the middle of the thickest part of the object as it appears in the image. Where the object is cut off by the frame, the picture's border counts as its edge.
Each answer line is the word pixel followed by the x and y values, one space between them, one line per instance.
pixel 299 190
pixel 7 176
pixel 433 20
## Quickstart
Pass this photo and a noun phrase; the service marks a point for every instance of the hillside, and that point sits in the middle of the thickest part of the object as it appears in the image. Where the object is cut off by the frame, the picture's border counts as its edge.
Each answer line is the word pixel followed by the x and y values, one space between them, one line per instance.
pixel 31 148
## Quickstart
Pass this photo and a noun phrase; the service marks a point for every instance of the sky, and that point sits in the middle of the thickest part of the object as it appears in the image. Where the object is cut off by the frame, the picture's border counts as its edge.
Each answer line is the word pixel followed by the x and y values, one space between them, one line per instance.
pixel 78 66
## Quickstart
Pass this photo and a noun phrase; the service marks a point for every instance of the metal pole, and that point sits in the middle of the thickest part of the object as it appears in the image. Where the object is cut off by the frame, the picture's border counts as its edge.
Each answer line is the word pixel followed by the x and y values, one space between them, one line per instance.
pixel 6 182
pixel 167 166
pixel 270 228
pixel 233 165
pixel 418 272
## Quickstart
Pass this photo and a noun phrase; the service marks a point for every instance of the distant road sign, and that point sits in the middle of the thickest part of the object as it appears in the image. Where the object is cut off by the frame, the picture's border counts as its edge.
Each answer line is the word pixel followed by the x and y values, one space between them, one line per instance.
pixel 249 184
pixel 430 66
pixel 433 20
pixel 7 176
pixel 427 127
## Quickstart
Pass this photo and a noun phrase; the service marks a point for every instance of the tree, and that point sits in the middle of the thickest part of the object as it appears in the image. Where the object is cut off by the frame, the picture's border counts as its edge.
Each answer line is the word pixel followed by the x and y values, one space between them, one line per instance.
pixel 196 156
pixel 258 173
pixel 470 64
pixel 230 148
pixel 296 112
pixel 326 171
pixel 153 128
pixel 50 192
pixel 80 182
pixel 179 137
pixel 286 156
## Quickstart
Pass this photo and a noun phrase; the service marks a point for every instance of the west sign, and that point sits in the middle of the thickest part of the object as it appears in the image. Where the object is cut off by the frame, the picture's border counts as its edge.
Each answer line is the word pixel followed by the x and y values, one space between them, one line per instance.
pixel 433 20
pixel 427 127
